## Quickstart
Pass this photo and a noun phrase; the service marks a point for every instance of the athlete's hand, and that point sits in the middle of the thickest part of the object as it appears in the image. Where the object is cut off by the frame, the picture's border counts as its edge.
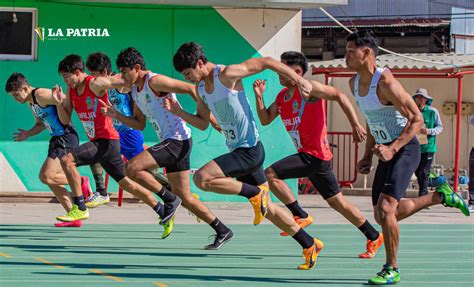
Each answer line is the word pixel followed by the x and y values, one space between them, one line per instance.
pixel 383 152
pixel 305 88
pixel 108 110
pixel 259 87
pixel 358 133
pixel 364 165
pixel 58 95
pixel 172 105
pixel 20 136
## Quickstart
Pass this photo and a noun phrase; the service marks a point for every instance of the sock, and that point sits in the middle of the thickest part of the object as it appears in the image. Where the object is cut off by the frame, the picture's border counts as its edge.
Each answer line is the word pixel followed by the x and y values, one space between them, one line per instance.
pixel 159 209
pixel 248 190
pixel 98 173
pixel 369 231
pixel 303 238
pixel 80 202
pixel 166 195
pixel 296 209
pixel 219 227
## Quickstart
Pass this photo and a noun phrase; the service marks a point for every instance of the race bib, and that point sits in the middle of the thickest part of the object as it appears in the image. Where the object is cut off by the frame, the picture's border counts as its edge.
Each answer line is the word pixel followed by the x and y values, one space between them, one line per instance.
pixel 230 132
pixel 156 127
pixel 295 138
pixel 380 133
pixel 90 128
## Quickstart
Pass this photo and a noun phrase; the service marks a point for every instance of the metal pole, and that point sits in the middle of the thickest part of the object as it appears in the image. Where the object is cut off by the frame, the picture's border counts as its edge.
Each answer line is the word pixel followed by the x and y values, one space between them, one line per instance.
pixel 458 136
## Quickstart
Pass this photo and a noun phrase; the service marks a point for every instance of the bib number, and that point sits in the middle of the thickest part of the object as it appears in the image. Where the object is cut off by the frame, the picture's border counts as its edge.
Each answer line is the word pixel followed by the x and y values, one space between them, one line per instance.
pixel 295 138
pixel 380 133
pixel 90 128
pixel 230 133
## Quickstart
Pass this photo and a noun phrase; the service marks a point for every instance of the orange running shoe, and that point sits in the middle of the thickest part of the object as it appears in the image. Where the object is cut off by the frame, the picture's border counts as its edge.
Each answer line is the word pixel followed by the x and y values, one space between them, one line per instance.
pixel 302 222
pixel 372 247
pixel 259 203
pixel 311 255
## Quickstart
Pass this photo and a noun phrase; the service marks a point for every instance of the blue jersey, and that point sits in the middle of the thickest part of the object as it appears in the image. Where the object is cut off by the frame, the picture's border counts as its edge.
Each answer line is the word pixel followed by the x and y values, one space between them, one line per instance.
pixel 232 111
pixel 49 117
pixel 123 104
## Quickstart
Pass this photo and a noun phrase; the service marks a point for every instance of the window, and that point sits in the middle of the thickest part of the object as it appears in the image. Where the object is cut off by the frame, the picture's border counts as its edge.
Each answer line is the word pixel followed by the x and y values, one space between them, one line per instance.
pixel 17 34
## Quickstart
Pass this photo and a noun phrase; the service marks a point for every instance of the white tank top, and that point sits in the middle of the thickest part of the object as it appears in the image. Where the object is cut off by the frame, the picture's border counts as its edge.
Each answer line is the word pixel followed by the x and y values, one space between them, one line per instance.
pixel 385 122
pixel 232 111
pixel 166 124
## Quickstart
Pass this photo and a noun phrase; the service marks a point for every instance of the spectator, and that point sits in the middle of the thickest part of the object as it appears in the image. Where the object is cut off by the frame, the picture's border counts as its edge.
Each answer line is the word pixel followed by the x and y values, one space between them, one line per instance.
pixel 428 133
pixel 471 175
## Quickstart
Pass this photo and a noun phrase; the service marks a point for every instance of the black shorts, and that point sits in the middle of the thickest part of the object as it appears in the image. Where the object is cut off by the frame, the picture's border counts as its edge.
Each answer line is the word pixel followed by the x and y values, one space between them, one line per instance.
pixel 172 154
pixel 317 170
pixel 103 151
pixel 59 145
pixel 393 177
pixel 245 164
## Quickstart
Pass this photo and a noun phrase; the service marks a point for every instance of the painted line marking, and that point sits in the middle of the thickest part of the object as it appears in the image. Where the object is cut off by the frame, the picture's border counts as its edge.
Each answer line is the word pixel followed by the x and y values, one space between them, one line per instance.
pixel 100 272
pixel 49 263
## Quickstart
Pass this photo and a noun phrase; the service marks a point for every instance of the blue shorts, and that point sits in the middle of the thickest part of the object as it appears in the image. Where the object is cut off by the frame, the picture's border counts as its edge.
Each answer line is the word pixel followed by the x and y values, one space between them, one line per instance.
pixel 131 143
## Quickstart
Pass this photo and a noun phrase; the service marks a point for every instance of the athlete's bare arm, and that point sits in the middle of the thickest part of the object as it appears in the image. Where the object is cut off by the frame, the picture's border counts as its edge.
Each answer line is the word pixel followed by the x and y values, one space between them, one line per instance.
pixel 137 121
pixel 101 84
pixel 232 74
pixel 326 92
pixel 22 134
pixel 265 115
pixel 200 120
pixel 391 91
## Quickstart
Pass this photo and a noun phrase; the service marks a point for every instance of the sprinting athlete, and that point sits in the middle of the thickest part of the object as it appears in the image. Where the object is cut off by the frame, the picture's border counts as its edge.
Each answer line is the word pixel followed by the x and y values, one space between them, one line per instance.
pixel 305 122
pixel 393 120
pixel 221 92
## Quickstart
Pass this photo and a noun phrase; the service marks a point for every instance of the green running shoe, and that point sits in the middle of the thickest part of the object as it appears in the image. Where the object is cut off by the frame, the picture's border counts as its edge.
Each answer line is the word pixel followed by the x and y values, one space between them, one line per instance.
pixel 387 276
pixel 74 214
pixel 168 228
pixel 452 199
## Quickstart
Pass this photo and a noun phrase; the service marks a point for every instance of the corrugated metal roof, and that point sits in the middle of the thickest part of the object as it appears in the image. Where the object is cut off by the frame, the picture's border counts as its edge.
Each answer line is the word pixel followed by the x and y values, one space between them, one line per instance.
pixel 396 62
pixel 330 25
pixel 286 4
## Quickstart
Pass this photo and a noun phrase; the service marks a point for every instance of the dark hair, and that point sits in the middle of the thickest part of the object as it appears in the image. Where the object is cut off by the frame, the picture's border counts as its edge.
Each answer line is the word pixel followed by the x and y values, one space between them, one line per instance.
pixel 364 38
pixel 295 58
pixel 70 64
pixel 99 62
pixel 129 57
pixel 15 82
pixel 187 56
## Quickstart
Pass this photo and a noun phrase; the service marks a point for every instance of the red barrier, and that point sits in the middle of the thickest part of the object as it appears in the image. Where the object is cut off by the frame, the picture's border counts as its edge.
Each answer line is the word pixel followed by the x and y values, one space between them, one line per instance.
pixel 344 161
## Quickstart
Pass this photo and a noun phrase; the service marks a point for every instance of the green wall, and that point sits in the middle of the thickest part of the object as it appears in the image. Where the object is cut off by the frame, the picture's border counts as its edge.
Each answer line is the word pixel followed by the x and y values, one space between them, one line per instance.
pixel 156 31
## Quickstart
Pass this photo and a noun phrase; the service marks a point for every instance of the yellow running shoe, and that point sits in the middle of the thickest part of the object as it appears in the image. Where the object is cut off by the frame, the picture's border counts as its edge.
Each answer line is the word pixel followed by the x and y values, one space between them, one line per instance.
pixel 259 203
pixel 311 255
pixel 168 228
pixel 74 214
pixel 302 222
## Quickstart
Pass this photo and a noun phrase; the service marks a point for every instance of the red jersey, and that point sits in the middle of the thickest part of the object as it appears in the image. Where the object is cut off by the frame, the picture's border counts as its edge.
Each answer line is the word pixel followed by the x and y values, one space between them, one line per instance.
pixel 309 134
pixel 87 107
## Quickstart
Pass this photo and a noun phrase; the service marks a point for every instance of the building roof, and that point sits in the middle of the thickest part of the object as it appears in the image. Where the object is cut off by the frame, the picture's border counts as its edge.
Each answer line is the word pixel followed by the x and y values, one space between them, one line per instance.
pixel 286 4
pixel 431 62
pixel 365 23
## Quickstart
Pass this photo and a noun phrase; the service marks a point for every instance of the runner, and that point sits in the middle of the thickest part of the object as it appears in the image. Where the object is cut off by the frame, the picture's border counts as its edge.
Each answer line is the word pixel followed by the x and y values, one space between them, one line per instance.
pixel 393 120
pixel 305 122
pixel 220 90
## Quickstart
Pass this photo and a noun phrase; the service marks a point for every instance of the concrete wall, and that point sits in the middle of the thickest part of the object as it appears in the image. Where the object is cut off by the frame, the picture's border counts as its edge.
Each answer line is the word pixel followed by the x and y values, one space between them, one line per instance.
pixel 228 36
